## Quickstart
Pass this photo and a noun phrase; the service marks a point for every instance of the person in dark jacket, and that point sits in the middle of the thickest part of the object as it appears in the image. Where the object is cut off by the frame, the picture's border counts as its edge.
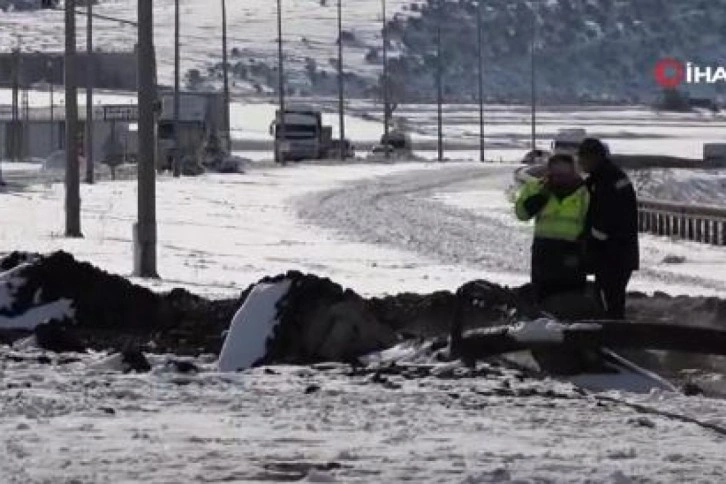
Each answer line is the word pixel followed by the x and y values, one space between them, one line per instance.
pixel 558 204
pixel 612 226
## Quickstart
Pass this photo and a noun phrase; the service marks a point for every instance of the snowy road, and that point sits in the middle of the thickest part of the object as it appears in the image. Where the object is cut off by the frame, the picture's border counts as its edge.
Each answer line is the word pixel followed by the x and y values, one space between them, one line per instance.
pixel 398 210
pixel 459 215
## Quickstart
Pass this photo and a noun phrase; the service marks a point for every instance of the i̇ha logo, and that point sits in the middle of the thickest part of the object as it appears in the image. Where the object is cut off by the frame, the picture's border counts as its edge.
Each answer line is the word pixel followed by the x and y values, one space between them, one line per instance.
pixel 670 73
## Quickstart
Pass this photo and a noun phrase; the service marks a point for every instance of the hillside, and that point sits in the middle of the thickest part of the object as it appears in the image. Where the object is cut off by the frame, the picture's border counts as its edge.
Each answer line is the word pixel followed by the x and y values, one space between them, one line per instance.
pixel 587 50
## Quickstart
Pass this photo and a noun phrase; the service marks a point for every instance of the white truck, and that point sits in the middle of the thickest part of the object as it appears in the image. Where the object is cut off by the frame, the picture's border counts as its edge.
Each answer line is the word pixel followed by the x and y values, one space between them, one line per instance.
pixel 300 135
pixel 567 141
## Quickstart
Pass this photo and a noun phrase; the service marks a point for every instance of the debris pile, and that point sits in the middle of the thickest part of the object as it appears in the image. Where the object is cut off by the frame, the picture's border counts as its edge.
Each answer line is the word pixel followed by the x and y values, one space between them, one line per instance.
pixel 319 320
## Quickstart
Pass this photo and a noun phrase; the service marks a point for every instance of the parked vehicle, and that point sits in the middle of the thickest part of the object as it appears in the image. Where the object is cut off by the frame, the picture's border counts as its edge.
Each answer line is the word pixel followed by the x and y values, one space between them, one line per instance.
pixel 567 141
pixel 397 144
pixel 300 135
pixel 536 157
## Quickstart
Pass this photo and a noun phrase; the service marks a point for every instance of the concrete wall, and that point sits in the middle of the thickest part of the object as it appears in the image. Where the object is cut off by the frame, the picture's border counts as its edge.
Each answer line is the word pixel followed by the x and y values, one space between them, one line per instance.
pixel 38 142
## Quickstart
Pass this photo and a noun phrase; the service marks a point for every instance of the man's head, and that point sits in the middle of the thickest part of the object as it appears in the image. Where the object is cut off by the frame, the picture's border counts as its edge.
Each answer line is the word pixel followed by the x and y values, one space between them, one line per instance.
pixel 591 154
pixel 561 171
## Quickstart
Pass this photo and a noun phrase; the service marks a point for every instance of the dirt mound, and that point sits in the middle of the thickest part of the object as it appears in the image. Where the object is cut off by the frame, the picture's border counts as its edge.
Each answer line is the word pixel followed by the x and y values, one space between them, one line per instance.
pixel 112 313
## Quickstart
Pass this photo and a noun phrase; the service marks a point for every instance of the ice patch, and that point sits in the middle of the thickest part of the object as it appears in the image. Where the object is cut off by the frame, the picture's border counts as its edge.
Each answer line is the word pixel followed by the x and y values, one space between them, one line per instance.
pixel 252 326
pixel 538 331
pixel 33 317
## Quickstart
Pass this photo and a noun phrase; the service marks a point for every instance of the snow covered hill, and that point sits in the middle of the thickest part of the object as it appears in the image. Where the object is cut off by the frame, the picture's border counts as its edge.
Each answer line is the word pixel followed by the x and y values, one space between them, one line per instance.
pixel 587 50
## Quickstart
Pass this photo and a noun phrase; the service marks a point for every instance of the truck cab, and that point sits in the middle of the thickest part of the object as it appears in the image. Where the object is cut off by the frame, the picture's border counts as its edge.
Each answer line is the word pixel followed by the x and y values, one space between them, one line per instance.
pixel 299 134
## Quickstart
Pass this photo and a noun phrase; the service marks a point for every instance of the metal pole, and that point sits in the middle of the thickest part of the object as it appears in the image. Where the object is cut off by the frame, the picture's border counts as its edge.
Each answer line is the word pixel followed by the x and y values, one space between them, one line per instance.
pixel 72 179
pixel 51 93
pixel 439 84
pixel 534 77
pixel 177 95
pixel 146 227
pixel 89 93
pixel 225 70
pixel 280 125
pixel 386 100
pixel 15 108
pixel 341 82
pixel 480 52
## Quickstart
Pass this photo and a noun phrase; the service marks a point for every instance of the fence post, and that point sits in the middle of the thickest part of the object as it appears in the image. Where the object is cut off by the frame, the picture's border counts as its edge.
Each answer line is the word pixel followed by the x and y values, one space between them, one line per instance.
pixel 723 233
pixel 699 231
pixel 691 229
pixel 707 231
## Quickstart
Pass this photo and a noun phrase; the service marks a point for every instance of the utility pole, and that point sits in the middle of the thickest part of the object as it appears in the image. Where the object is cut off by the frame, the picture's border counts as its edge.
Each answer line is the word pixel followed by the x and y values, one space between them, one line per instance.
pixel 90 66
pixel 386 93
pixel 341 82
pixel 177 93
pixel 51 95
pixel 533 67
pixel 225 70
pixel 15 108
pixel 480 52
pixel 439 83
pixel 146 225
pixel 73 190
pixel 280 125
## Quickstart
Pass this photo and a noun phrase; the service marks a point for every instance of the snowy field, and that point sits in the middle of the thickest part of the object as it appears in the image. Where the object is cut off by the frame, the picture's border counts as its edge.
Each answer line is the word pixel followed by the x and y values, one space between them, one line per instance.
pixel 378 229
pixel 84 422
pixel 634 130
pixel 411 226
pixel 310 31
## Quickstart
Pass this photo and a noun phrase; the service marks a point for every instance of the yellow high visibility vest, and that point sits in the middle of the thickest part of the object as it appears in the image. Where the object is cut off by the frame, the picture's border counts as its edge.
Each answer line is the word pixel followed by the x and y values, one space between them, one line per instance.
pixel 559 219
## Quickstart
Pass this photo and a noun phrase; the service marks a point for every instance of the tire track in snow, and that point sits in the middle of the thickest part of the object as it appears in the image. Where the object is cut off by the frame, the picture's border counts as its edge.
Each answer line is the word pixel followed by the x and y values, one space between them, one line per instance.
pixel 398 211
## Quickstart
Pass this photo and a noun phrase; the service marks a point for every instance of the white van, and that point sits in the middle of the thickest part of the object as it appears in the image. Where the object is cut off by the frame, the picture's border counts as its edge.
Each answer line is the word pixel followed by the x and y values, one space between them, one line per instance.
pixel 567 141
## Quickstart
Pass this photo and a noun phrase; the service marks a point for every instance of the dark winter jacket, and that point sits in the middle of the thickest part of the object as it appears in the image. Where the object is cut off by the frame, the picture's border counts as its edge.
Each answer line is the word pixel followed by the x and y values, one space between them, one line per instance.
pixel 612 221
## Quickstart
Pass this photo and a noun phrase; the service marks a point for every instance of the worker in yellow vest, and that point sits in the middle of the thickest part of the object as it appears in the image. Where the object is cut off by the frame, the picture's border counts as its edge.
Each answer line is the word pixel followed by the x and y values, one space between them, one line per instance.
pixel 559 204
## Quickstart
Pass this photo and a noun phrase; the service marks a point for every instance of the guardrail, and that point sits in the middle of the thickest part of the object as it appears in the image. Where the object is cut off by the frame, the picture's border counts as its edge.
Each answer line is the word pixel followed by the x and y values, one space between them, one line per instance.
pixel 698 223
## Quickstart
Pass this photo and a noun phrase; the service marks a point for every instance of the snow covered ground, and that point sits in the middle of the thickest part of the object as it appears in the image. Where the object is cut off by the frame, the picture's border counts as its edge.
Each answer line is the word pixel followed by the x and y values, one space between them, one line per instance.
pixel 83 421
pixel 310 31
pixel 385 229
pixel 698 187
pixel 388 229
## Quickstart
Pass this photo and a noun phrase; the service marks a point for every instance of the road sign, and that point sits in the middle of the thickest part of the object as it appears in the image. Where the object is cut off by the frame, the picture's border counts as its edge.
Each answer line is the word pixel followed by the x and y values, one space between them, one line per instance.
pixel 121 113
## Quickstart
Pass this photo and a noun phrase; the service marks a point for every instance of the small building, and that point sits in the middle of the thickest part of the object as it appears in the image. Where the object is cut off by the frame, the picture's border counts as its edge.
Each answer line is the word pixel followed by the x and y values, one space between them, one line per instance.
pixel 42 131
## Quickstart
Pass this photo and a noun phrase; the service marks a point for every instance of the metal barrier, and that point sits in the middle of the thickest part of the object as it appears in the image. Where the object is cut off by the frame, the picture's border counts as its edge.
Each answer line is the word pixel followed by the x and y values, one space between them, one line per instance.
pixel 698 223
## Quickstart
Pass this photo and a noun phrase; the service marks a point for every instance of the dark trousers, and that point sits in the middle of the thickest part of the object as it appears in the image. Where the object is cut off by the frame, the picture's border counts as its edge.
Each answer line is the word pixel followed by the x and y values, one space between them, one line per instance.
pixel 611 285
pixel 556 268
